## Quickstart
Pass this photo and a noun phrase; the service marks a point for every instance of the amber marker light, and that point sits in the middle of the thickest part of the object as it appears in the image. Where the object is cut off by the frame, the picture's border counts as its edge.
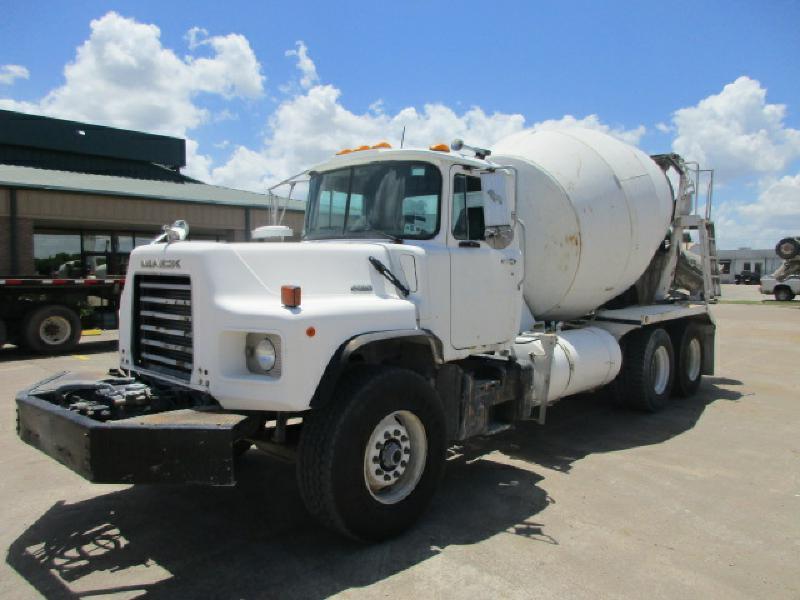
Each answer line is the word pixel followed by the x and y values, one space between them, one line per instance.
pixel 380 145
pixel 290 296
pixel 311 331
pixel 344 151
pixel 440 148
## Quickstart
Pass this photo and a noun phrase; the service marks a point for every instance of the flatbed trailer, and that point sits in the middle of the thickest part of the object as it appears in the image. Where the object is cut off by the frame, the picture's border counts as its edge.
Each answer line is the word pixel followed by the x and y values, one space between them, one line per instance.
pixel 47 315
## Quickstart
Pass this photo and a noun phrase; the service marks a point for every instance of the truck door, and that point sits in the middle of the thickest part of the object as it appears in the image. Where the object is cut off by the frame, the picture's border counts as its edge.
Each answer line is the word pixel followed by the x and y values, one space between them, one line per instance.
pixel 484 294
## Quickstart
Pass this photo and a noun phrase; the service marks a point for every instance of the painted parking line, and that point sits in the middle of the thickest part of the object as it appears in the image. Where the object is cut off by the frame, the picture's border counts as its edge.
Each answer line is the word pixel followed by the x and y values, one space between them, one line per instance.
pixel 80 357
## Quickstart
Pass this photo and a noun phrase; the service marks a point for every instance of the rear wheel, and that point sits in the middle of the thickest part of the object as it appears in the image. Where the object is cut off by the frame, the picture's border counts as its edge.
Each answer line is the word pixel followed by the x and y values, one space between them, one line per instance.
pixel 369 463
pixel 647 370
pixel 783 294
pixel 690 362
pixel 51 329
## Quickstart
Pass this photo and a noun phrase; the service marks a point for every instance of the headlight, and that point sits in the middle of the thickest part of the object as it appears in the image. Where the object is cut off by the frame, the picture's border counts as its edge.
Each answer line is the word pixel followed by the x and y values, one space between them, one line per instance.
pixel 262 354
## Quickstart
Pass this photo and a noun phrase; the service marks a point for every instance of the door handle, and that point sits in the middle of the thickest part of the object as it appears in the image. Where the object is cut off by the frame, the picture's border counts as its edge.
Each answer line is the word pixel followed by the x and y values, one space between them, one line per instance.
pixel 508 261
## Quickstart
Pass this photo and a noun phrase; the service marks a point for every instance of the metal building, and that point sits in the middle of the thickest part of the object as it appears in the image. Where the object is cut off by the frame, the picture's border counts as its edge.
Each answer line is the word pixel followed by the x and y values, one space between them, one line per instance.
pixel 733 262
pixel 76 198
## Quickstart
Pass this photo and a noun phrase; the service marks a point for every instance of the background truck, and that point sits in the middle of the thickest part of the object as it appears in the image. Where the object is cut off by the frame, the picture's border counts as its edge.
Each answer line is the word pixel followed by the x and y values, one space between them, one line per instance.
pixel 47 315
pixel 784 283
pixel 438 295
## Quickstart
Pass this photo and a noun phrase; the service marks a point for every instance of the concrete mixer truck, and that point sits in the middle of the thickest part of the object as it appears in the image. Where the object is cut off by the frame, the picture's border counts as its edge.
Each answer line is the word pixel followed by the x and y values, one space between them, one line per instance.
pixel 438 294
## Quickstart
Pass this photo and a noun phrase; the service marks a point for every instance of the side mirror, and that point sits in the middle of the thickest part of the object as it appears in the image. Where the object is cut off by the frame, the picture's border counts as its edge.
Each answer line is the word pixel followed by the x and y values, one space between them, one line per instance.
pixel 498 200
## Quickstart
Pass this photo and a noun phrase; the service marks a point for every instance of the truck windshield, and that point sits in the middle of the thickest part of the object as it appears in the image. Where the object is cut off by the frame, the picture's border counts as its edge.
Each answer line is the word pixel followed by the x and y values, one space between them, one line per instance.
pixel 391 198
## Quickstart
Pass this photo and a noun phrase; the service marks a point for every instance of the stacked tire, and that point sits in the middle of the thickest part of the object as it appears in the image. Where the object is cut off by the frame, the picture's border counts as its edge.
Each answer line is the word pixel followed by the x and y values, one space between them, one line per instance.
pixel 788 248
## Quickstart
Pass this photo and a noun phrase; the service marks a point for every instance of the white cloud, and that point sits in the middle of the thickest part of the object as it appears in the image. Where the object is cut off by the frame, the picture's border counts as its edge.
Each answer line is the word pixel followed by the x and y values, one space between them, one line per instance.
pixel 736 132
pixel 10 73
pixel 630 136
pixel 313 124
pixel 773 215
pixel 198 166
pixel 123 76
pixel 305 65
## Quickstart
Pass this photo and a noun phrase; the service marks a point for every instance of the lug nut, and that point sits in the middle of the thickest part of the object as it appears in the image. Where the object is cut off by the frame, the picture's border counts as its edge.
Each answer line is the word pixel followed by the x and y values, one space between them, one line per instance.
pixel 396 432
pixel 387 478
pixel 378 472
pixel 403 463
pixel 386 435
pixel 404 438
pixel 375 459
pixel 406 450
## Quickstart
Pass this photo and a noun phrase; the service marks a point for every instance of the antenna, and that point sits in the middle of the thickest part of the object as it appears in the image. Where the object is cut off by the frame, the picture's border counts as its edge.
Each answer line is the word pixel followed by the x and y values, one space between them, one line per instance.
pixel 403 137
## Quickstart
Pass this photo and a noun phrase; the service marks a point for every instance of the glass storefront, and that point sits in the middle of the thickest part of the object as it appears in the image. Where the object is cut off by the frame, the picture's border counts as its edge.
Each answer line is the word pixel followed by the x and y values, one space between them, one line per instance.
pixel 69 254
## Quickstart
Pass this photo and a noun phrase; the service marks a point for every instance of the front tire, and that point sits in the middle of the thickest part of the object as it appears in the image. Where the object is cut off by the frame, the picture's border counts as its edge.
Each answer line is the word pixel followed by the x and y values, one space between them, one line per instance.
pixel 783 294
pixel 370 461
pixel 647 370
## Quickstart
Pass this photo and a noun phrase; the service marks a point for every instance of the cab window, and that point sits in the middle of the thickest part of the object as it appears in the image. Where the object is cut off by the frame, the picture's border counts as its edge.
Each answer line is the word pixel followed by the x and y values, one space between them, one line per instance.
pixel 467 208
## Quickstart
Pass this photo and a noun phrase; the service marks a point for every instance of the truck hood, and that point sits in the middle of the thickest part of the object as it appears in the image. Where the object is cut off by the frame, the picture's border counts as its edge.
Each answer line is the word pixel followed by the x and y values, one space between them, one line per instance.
pixel 321 269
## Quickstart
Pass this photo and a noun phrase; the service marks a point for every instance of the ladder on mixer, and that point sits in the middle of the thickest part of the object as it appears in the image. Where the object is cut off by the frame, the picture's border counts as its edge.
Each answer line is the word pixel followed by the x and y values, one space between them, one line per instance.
pixel 708 243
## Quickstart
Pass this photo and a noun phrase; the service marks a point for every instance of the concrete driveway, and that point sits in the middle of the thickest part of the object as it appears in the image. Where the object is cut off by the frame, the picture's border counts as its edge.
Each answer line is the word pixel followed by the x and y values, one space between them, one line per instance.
pixel 701 500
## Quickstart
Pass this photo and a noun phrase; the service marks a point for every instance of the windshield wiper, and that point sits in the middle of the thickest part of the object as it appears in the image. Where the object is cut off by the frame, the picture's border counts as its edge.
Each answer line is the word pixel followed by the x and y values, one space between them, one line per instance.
pixel 384 270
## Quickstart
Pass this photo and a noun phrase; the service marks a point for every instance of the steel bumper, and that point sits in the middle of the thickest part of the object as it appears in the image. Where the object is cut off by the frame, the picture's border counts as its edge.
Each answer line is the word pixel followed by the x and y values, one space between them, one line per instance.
pixel 181 446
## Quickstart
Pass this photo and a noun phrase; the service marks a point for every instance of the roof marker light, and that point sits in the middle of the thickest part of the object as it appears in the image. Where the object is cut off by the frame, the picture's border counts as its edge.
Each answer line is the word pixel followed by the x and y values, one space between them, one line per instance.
pixel 440 148
pixel 360 148
pixel 379 145
pixel 344 151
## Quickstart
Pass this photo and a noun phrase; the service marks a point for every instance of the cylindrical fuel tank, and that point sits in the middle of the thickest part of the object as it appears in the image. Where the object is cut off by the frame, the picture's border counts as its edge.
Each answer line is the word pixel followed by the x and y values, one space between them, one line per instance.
pixel 595 210
pixel 582 360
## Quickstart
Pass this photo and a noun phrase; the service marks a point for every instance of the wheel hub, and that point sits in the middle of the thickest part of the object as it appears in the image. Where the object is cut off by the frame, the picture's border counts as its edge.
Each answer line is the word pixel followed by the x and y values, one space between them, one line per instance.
pixel 395 457
pixel 54 330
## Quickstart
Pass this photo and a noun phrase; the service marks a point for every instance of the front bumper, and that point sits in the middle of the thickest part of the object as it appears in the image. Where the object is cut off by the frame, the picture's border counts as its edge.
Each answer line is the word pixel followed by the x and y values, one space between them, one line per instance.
pixel 179 446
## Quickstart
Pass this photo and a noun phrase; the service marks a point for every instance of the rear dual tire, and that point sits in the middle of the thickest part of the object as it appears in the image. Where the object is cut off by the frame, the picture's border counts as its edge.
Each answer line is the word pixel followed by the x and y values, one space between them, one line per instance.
pixel 648 371
pixel 652 371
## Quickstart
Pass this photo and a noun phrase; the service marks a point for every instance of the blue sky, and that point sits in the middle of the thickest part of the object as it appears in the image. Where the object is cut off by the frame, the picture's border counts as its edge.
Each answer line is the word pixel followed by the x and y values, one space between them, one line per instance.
pixel 254 114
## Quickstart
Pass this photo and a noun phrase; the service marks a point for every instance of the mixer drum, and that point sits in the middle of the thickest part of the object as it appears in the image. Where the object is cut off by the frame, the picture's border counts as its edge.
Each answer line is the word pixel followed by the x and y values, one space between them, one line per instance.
pixel 595 210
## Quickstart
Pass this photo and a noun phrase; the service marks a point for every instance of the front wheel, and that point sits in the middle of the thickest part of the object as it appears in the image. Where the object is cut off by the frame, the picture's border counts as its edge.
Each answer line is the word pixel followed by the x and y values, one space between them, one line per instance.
pixel 783 294
pixel 370 461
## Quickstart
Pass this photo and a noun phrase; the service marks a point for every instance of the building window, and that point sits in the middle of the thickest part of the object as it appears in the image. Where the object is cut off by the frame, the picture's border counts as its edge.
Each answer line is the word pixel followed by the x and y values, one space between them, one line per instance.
pixel 724 267
pixel 746 266
pixel 57 254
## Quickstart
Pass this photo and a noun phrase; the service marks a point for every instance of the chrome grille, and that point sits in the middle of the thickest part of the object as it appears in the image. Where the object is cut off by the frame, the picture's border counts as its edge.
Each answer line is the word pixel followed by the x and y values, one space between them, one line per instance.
pixel 163 326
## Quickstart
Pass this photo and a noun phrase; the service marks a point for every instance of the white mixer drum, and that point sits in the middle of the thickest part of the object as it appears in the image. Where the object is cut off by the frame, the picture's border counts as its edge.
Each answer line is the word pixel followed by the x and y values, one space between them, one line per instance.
pixel 595 211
